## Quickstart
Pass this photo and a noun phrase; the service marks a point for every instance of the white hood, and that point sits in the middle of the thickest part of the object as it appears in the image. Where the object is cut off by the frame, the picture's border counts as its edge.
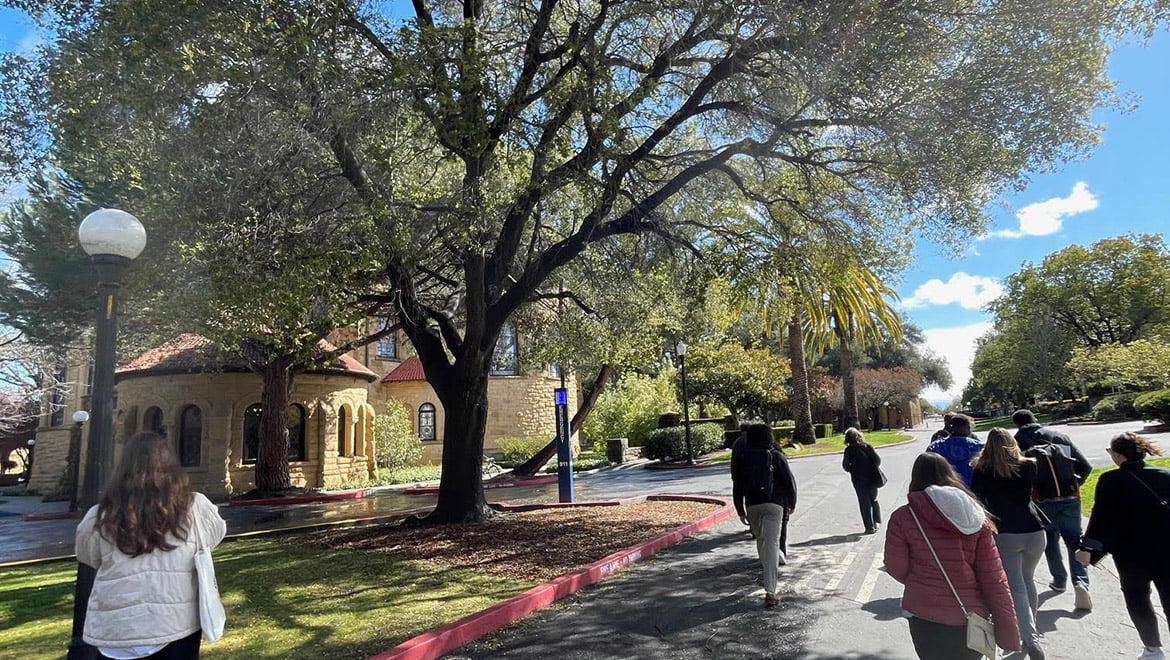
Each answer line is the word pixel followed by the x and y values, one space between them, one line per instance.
pixel 958 507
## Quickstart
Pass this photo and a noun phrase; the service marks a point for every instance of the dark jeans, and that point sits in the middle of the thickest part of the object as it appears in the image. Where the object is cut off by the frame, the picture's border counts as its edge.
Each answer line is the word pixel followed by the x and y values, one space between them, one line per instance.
pixel 871 512
pixel 1066 524
pixel 784 533
pixel 938 641
pixel 180 649
pixel 1135 587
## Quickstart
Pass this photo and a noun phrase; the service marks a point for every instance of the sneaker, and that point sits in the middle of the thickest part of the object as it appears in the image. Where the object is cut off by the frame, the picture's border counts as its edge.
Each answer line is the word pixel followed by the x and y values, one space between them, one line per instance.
pixel 870 530
pixel 1082 601
pixel 1034 652
pixel 1057 588
pixel 1153 653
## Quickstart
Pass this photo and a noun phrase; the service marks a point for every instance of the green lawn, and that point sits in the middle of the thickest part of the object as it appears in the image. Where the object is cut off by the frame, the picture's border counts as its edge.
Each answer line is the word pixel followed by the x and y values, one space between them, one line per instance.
pixel 827 445
pixel 1089 488
pixel 283 600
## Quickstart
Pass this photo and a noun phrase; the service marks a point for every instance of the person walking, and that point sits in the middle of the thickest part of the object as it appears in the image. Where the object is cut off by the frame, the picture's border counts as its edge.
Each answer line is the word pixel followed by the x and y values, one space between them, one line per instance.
pixel 1131 521
pixel 959 447
pixel 940 546
pixel 141 539
pixel 1061 469
pixel 763 490
pixel 946 427
pixel 862 463
pixel 1003 479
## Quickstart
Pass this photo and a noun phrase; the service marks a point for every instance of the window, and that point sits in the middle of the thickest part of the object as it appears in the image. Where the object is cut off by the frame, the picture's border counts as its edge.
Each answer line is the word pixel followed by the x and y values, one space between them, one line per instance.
pixel 342 430
pixel 504 361
pixel 252 416
pixel 190 436
pixel 153 421
pixel 426 421
pixel 296 432
pixel 554 370
pixel 387 347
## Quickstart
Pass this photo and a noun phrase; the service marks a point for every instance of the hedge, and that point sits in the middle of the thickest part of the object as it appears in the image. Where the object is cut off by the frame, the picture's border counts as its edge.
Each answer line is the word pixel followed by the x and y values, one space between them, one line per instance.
pixel 671 441
pixel 822 430
pixel 1116 406
pixel 782 433
pixel 1154 405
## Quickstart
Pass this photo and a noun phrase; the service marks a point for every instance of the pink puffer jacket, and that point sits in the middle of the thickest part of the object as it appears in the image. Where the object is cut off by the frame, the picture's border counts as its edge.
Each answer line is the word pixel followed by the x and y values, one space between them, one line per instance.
pixel 964 542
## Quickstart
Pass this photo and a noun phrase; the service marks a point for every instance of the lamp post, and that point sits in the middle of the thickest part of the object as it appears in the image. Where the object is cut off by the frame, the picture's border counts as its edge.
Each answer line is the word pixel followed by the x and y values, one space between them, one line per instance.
pixel 32 443
pixel 73 461
pixel 681 350
pixel 111 238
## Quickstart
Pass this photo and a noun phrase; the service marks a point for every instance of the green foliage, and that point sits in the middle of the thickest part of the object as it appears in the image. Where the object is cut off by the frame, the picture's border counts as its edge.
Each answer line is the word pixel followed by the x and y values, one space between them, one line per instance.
pixel 783 433
pixel 1116 406
pixel 1153 405
pixel 1070 409
pixel 746 380
pixel 395 443
pixel 630 409
pixel 1140 364
pixel 823 430
pixel 671 442
pixel 517 450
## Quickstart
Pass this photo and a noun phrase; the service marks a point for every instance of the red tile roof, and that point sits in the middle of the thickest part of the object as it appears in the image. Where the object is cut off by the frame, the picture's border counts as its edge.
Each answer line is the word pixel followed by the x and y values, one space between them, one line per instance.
pixel 411 369
pixel 194 353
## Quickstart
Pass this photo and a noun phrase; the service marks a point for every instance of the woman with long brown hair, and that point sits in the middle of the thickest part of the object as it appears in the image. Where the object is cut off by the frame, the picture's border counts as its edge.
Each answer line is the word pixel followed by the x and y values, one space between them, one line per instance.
pixel 942 538
pixel 1003 479
pixel 139 537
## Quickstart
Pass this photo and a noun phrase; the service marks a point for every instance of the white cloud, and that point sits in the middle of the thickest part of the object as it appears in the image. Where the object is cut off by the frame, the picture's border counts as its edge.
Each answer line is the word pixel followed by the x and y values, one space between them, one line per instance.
pixel 970 291
pixel 957 347
pixel 1047 217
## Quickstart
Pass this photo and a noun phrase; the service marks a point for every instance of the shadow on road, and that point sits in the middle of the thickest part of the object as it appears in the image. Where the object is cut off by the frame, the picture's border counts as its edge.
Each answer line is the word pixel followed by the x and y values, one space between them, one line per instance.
pixel 829 540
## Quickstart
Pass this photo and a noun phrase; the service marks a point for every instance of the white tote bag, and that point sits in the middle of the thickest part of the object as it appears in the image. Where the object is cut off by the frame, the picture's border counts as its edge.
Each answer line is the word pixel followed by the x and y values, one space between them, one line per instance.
pixel 211 614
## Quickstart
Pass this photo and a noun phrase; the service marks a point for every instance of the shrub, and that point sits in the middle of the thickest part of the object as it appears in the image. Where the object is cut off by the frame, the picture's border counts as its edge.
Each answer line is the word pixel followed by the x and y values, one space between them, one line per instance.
pixel 395 443
pixel 671 442
pixel 1070 409
pixel 1154 405
pixel 1116 406
pixel 515 451
pixel 822 430
pixel 630 409
pixel 783 433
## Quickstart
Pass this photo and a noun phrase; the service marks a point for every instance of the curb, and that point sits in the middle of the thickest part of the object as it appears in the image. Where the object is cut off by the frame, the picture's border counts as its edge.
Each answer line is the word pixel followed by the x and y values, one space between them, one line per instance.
pixel 786 455
pixel 53 515
pixel 433 644
pixel 326 497
pixel 429 490
pixel 838 453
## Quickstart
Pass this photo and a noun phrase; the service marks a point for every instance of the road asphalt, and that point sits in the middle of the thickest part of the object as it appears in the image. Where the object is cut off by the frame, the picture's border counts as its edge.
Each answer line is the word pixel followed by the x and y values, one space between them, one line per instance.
pixel 702 597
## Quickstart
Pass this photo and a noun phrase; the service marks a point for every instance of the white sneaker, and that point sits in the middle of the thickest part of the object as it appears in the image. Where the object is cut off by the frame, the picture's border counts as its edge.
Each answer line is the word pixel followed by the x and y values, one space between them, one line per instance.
pixel 1082 600
pixel 1153 653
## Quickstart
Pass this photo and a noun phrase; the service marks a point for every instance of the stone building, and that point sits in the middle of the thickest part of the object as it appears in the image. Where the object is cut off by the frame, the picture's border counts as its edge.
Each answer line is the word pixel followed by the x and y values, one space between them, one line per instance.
pixel 209 404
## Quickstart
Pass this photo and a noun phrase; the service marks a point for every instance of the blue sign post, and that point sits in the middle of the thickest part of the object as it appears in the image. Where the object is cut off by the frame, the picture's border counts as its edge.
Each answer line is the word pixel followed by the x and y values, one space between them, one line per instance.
pixel 564 448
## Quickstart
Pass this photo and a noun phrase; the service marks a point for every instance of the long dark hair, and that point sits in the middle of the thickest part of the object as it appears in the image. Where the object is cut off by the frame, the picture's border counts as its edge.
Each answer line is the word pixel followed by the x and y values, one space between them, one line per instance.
pixel 147 497
pixel 854 437
pixel 759 436
pixel 1134 447
pixel 931 469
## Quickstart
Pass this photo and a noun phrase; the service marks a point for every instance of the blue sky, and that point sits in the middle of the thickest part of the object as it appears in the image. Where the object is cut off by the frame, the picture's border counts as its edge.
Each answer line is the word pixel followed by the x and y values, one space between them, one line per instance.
pixel 1124 186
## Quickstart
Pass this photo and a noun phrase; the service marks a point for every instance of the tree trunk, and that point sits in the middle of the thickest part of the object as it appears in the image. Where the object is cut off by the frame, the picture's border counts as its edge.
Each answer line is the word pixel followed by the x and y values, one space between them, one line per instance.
pixel 465 405
pixel 533 464
pixel 848 386
pixel 801 405
pixel 272 454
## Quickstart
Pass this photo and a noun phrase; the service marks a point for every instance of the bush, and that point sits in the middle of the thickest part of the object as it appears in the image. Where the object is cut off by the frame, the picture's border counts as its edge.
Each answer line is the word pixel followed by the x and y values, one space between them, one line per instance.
pixel 630 409
pixel 671 442
pixel 515 451
pixel 1154 405
pixel 822 430
pixel 1069 410
pixel 1116 406
pixel 395 443
pixel 783 433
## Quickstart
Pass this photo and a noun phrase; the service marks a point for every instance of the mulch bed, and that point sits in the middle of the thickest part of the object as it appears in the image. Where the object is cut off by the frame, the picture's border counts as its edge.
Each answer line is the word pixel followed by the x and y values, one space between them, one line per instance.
pixel 530 545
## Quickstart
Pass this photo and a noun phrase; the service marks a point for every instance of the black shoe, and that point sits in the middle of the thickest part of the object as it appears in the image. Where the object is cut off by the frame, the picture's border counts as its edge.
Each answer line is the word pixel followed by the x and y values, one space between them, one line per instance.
pixel 1034 651
pixel 870 530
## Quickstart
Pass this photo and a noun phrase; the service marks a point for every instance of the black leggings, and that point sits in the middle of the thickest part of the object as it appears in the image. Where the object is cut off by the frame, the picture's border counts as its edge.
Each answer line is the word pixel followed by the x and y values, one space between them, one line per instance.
pixel 939 641
pixel 1135 587
pixel 180 649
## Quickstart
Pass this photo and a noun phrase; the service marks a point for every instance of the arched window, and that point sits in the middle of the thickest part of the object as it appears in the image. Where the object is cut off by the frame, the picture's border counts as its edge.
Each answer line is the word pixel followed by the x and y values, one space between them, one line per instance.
pixel 296 432
pixel 426 421
pixel 252 415
pixel 505 360
pixel 342 430
pixel 153 421
pixel 190 436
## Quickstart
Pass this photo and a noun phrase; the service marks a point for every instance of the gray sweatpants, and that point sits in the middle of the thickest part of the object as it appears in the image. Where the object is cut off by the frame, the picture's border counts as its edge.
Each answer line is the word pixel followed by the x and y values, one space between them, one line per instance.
pixel 1020 554
pixel 765 521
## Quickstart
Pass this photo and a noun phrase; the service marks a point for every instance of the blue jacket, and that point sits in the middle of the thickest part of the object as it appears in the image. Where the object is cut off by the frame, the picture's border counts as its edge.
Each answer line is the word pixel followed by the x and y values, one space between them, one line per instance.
pixel 959 450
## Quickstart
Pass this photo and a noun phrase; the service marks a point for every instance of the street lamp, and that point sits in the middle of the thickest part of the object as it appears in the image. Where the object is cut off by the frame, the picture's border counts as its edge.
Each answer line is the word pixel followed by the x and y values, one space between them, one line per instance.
pixel 73 461
pixel 111 238
pixel 31 444
pixel 681 350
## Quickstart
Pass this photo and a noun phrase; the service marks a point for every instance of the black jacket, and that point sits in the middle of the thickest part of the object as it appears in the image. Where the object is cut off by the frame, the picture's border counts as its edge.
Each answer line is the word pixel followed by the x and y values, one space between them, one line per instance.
pixel 783 483
pixel 1009 499
pixel 1033 434
pixel 861 462
pixel 1128 521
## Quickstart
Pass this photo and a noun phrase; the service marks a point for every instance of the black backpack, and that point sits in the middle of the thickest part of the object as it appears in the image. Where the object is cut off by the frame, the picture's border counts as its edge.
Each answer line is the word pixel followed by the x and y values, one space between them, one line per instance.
pixel 755 473
pixel 1056 473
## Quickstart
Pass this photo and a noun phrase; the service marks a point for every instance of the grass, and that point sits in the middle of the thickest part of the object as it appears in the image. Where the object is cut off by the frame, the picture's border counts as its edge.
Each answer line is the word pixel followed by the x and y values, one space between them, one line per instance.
pixel 283 600
pixel 1089 488
pixel 407 475
pixel 833 443
pixel 1006 422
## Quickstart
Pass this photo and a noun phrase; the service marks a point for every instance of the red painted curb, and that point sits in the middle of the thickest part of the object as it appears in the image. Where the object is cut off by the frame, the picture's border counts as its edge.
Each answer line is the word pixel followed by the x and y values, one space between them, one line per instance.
pixel 428 490
pixel 55 515
pixel 330 497
pixel 432 644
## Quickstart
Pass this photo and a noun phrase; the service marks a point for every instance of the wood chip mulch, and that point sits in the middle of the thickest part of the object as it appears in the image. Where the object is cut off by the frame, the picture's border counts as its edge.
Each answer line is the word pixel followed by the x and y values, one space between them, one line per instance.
pixel 530 545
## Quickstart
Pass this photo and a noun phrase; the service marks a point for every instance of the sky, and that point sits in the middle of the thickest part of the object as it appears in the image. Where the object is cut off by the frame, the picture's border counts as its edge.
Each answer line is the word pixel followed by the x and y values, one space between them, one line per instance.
pixel 1122 187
